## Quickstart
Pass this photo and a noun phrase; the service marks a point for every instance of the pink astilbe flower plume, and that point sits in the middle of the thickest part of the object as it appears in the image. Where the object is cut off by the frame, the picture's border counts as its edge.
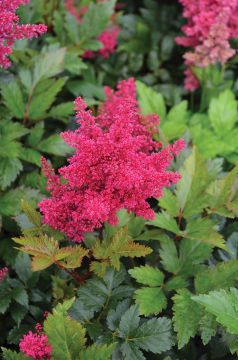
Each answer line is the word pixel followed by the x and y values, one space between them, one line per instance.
pixel 3 273
pixel 36 345
pixel 116 165
pixel 10 30
pixel 211 24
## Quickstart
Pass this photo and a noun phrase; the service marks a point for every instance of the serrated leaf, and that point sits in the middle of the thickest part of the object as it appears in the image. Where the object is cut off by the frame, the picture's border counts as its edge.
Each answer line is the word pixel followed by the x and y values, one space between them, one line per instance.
pixel 114 316
pixel 99 268
pixel 169 202
pixel 169 256
pixel 10 201
pixel 71 257
pixel 9 169
pixel 203 229
pixel 120 245
pixel 18 312
pixel 97 14
pixel 175 124
pixel 66 336
pixel 31 156
pixel 223 275
pixel 153 335
pixel 147 307
pixel 147 275
pixel 5 297
pixel 20 296
pixel 12 130
pixel 223 112
pixel 36 134
pixel 22 267
pixel 13 99
pixel 191 189
pixel 98 352
pixel 186 317
pixel 62 111
pixel 41 102
pixel 150 101
pixel 42 248
pixel 33 215
pixel 96 292
pixel 223 305
pixel 48 64
pixel 129 321
pixel 224 192
pixel 12 355
pixel 208 327
pixel 164 221
pixel 54 145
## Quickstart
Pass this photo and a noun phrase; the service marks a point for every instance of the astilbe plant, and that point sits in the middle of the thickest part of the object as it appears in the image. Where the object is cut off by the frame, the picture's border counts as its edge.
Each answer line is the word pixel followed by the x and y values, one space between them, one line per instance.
pixel 116 165
pixel 11 30
pixel 211 24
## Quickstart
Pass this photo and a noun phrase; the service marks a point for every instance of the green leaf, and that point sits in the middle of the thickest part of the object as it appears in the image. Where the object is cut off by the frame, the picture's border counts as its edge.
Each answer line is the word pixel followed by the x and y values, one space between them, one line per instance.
pixel 13 99
pixel 153 335
pixel 176 122
pixel 5 297
pixel 62 111
pixel 36 134
pixel 98 352
pixel 55 145
pixel 12 130
pixel 147 275
pixel 114 316
pixel 186 317
pixel 203 229
pixel 169 256
pixel 169 202
pixel 22 267
pixel 191 189
pixel 10 201
pixel 96 292
pixel 18 312
pixel 113 248
pixel 224 192
pixel 150 101
pixel 147 307
pixel 191 254
pixel 223 113
pixel 223 275
pixel 41 102
pixel 20 296
pixel 9 169
pixel 48 64
pixel 30 155
pixel 12 355
pixel 98 15
pixel 164 221
pixel 208 327
pixel 66 336
pixel 223 305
